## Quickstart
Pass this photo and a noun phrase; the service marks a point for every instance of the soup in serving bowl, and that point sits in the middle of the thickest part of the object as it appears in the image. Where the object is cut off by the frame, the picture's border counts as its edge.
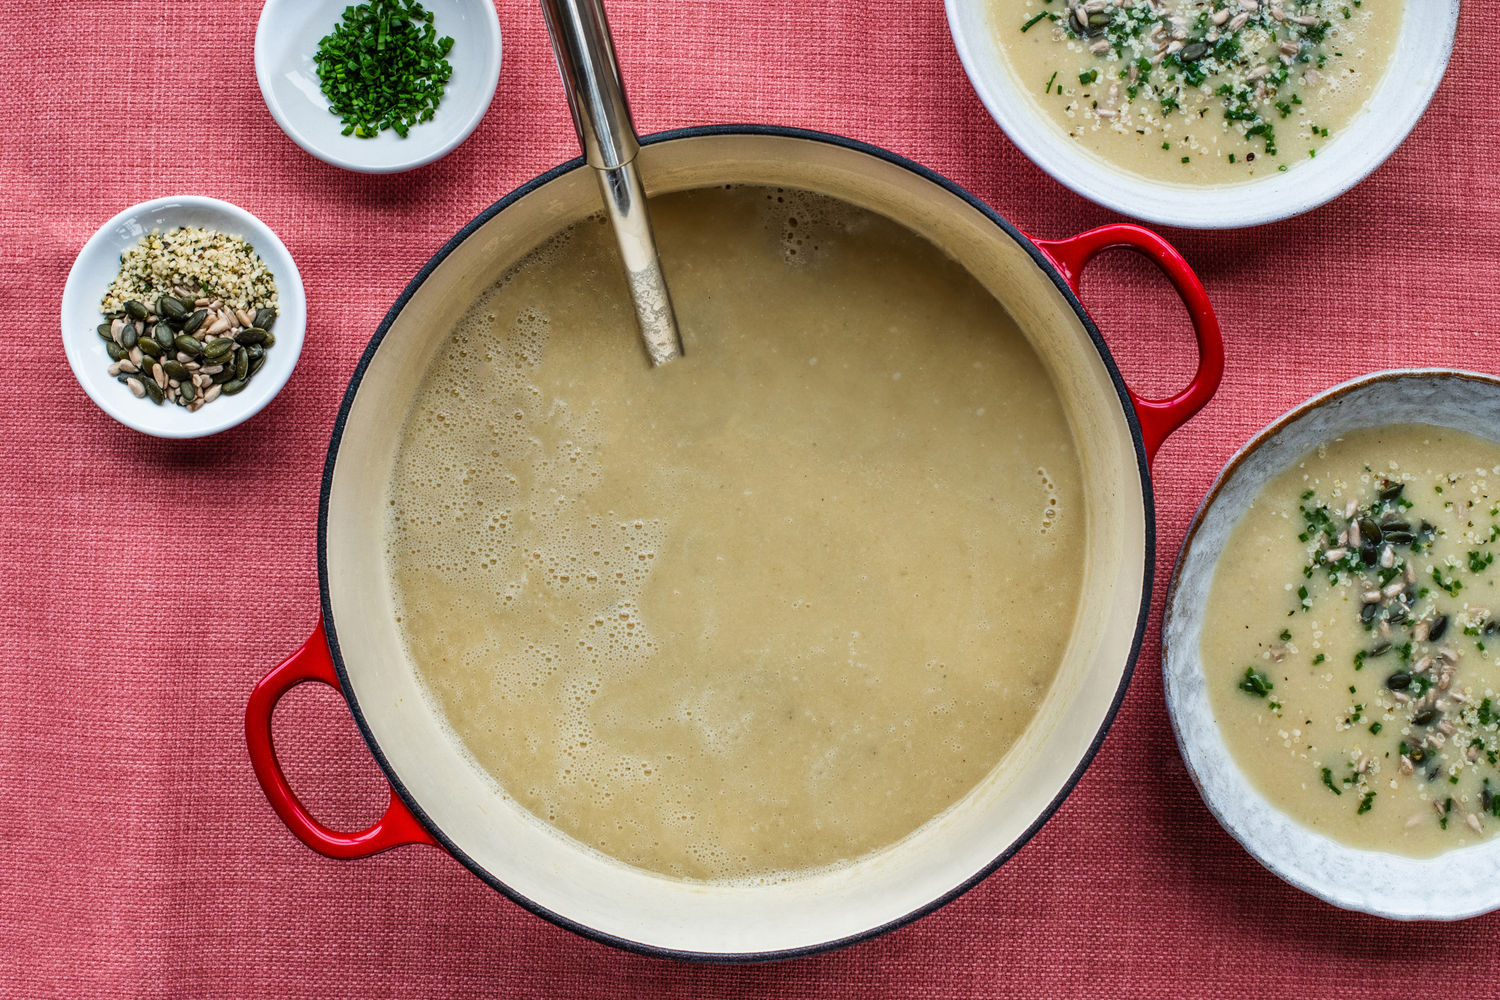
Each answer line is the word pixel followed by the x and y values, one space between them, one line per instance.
pixel 1198 93
pixel 795 557
pixel 1329 649
pixel 1140 106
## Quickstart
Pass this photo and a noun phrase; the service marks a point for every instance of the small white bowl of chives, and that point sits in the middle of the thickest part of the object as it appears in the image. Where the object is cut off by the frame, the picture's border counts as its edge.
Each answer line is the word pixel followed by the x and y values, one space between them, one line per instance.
pixel 287 43
pixel 93 273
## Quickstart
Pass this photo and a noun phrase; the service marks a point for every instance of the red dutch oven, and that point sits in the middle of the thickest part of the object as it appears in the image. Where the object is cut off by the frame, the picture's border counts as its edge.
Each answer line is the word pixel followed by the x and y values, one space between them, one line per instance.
pixel 438 795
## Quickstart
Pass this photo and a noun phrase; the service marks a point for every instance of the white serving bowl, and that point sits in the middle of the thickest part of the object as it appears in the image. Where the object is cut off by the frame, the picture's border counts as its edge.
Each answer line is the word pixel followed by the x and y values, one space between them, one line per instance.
pixel 286 39
pixel 1459 883
pixel 95 269
pixel 1417 66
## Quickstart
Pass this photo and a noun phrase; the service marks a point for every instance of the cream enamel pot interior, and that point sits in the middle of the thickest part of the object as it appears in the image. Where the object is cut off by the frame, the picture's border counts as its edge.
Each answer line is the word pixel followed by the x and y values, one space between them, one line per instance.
pixel 439 797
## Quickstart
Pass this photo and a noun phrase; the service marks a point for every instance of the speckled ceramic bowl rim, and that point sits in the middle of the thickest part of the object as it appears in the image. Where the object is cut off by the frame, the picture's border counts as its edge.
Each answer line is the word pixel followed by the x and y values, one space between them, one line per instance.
pixel 1231 814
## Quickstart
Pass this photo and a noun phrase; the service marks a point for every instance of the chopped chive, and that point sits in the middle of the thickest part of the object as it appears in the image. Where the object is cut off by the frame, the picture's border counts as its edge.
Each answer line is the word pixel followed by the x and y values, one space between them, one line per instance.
pixel 1256 683
pixel 383 67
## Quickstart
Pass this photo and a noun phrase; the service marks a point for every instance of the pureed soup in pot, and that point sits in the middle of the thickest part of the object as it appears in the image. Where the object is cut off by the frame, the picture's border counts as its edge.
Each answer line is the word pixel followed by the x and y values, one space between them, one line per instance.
pixel 768 608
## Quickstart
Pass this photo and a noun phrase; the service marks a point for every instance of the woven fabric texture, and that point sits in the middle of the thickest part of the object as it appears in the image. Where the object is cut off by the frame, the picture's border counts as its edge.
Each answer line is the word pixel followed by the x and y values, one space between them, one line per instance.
pixel 138 857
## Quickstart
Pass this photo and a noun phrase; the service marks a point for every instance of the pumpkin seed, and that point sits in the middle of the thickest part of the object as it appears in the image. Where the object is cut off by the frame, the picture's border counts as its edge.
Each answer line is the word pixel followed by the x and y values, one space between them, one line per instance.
pixel 241 362
pixel 233 386
pixel 175 369
pixel 255 366
pixel 1425 716
pixel 218 350
pixel 129 337
pixel 116 352
pixel 188 345
pixel 171 308
pixel 252 335
pixel 153 391
pixel 219 378
pixel 186 390
pixel 148 345
pixel 191 324
pixel 1391 492
pixel 1399 681
pixel 136 310
pixel 270 340
pixel 1193 51
pixel 103 330
pixel 1439 626
pixel 264 318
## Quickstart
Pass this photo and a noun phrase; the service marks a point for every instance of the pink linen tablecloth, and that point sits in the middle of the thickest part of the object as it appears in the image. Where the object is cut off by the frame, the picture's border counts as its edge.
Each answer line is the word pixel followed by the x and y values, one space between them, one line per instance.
pixel 137 856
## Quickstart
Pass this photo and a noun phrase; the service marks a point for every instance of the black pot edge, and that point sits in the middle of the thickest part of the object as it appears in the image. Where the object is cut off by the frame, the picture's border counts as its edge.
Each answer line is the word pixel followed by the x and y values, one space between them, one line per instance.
pixel 625 944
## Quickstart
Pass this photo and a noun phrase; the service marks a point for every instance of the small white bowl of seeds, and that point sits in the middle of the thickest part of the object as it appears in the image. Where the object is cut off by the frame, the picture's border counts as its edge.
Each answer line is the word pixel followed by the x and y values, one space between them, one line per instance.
pixel 183 316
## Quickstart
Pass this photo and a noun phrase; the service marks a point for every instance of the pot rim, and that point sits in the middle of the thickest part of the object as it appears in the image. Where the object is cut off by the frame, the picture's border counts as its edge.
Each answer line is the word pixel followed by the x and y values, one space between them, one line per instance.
pixel 1127 409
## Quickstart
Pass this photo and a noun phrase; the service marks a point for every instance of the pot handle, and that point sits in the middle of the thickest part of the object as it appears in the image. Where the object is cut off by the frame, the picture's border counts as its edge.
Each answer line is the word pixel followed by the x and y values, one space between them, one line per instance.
pixel 1158 417
pixel 314 662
